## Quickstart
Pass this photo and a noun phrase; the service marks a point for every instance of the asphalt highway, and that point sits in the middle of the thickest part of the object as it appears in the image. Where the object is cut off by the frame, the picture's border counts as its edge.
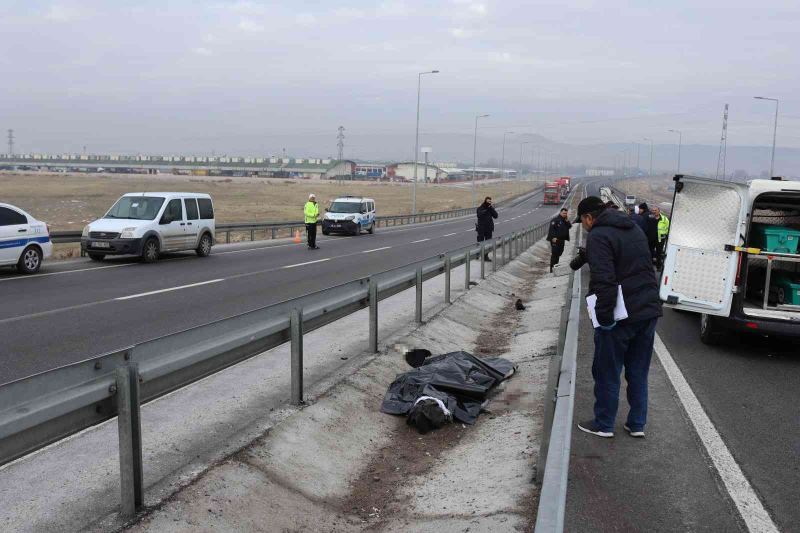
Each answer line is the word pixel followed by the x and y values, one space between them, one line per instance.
pixel 77 310
pixel 749 387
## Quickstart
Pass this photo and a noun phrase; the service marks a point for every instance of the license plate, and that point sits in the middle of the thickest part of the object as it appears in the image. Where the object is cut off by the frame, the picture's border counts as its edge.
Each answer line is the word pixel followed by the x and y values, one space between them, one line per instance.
pixel 101 245
pixel 336 225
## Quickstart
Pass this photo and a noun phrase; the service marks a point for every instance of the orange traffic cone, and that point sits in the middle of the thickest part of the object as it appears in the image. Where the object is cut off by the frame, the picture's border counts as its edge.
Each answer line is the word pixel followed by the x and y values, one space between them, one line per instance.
pixel 297 238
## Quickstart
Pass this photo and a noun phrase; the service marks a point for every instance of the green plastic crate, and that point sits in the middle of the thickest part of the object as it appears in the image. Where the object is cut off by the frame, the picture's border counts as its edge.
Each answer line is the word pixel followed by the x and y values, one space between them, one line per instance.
pixel 778 239
pixel 786 290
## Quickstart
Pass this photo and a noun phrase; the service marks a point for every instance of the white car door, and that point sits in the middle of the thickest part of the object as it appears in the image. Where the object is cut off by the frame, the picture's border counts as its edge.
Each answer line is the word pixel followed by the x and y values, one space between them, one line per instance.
pixel 14 236
pixel 192 223
pixel 709 218
pixel 171 226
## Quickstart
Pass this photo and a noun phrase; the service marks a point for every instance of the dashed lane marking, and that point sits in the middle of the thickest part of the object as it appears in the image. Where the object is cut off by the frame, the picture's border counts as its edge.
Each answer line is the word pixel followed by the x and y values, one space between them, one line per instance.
pixel 421 240
pixel 376 250
pixel 307 263
pixel 140 295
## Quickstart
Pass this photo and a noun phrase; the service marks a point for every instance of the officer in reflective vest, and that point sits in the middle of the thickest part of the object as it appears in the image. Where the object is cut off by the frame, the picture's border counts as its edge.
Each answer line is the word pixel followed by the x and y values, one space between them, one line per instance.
pixel 311 213
pixel 663 230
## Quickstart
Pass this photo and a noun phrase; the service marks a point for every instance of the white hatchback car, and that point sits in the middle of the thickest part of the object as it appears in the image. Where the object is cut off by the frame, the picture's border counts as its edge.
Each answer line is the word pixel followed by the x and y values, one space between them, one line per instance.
pixel 24 241
pixel 149 223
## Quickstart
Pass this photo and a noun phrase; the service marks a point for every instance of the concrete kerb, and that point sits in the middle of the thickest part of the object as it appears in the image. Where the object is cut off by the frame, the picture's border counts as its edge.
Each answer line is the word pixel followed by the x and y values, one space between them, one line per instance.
pixel 304 466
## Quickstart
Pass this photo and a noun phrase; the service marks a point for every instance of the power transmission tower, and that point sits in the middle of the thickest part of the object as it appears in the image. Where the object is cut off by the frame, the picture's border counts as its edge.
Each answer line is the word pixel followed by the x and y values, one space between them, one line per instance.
pixel 340 142
pixel 10 142
pixel 723 145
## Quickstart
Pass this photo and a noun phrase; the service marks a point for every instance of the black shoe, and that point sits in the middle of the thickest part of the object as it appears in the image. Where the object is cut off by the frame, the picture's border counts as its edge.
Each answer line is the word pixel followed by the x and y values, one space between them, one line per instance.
pixel 590 427
pixel 486 258
pixel 639 433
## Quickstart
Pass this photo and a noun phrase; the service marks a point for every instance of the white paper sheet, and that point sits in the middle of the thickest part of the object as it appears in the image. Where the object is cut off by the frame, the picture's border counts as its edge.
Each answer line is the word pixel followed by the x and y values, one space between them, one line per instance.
pixel 620 312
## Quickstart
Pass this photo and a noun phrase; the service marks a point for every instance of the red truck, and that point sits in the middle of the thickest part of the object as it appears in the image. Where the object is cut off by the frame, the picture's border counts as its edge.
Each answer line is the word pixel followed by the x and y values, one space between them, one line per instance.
pixel 552 193
pixel 565 186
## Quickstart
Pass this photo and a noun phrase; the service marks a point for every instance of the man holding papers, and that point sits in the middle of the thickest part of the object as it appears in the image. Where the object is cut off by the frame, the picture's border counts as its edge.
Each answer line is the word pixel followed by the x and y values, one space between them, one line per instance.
pixel 623 305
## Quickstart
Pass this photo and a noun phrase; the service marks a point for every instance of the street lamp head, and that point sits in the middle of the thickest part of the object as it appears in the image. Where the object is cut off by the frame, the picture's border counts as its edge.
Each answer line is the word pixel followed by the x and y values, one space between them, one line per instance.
pixel 434 72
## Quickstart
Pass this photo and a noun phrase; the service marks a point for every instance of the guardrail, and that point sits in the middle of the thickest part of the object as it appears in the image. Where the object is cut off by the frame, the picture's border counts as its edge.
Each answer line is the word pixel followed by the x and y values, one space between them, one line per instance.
pixel 46 407
pixel 553 464
pixel 274 230
pixel 553 468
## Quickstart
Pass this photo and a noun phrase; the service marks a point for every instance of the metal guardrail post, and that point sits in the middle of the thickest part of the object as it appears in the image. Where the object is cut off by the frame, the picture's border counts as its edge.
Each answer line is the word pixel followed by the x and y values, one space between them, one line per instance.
pixel 273 232
pixel 447 278
pixel 483 259
pixel 494 255
pixel 466 270
pixel 503 250
pixel 228 237
pixel 130 439
pixel 418 311
pixel 373 315
pixel 296 332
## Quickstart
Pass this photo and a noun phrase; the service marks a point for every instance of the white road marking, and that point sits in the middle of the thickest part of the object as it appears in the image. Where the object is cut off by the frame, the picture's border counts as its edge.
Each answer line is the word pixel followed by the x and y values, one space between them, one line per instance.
pixel 307 263
pixel 449 234
pixel 750 508
pixel 376 250
pixel 132 296
pixel 421 240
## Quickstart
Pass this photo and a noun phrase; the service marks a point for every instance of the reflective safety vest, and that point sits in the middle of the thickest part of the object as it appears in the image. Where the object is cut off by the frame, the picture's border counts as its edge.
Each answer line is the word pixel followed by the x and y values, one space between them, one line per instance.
pixel 311 212
pixel 663 227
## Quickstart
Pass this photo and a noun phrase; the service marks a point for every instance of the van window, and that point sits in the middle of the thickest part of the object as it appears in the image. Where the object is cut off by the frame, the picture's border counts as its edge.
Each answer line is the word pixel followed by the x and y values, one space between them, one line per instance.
pixel 9 217
pixel 191 208
pixel 365 207
pixel 206 209
pixel 173 210
pixel 372 206
pixel 136 207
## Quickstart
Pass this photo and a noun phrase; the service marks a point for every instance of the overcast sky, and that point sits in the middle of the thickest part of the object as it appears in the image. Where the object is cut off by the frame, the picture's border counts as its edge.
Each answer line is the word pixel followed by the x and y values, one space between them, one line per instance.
pixel 166 76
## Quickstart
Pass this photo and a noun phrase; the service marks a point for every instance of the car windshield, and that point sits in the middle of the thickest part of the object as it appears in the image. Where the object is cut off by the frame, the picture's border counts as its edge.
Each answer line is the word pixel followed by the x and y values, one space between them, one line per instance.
pixel 345 207
pixel 136 207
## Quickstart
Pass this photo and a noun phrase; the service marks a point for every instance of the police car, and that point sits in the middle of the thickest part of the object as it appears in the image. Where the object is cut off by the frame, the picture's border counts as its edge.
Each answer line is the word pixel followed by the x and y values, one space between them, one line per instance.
pixel 24 241
pixel 349 214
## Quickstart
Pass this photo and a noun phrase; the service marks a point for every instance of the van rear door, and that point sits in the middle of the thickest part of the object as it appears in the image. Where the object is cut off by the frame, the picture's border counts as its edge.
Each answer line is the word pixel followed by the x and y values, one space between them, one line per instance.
pixel 699 273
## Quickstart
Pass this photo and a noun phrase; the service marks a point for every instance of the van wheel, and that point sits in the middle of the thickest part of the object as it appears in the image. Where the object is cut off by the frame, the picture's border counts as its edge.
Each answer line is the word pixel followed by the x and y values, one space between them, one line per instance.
pixel 357 231
pixel 97 257
pixel 371 229
pixel 150 250
pixel 710 331
pixel 30 261
pixel 204 247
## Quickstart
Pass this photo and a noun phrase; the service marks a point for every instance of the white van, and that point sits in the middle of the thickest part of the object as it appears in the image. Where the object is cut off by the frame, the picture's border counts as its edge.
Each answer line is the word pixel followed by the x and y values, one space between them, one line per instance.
pixel 149 223
pixel 732 256
pixel 349 214
pixel 24 241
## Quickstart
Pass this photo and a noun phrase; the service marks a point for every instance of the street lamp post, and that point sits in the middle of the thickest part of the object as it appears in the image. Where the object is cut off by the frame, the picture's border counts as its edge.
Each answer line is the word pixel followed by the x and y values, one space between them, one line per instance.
pixel 503 157
pixel 650 173
pixel 774 132
pixel 519 172
pixel 416 142
pixel 638 149
pixel 680 142
pixel 475 155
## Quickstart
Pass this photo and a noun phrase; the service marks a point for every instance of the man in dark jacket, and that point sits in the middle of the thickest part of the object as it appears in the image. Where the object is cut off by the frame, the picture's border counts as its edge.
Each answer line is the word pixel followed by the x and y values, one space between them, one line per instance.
pixel 618 254
pixel 485 226
pixel 558 234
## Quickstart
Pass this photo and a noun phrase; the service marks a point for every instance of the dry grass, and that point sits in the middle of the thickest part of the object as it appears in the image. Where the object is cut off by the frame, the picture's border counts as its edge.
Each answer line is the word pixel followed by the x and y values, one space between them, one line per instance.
pixel 69 201
pixel 655 189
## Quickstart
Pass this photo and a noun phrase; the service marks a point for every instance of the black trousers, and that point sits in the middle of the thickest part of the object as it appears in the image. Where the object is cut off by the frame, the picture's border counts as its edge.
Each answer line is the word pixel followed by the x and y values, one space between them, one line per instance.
pixel 311 233
pixel 484 235
pixel 556 249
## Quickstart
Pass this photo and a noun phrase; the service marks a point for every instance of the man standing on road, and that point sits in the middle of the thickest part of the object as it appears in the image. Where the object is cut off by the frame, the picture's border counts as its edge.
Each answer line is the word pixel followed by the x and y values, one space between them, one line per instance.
pixel 558 234
pixel 618 255
pixel 662 224
pixel 311 214
pixel 485 225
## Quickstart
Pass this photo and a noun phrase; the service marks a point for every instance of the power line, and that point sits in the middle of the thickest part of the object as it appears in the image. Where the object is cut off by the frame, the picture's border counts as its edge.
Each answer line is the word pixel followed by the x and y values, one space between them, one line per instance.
pixel 10 142
pixel 340 142
pixel 723 145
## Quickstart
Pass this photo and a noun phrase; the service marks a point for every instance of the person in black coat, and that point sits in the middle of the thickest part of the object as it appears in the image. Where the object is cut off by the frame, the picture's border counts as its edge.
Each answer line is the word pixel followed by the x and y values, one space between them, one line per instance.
pixel 619 256
pixel 485 225
pixel 557 235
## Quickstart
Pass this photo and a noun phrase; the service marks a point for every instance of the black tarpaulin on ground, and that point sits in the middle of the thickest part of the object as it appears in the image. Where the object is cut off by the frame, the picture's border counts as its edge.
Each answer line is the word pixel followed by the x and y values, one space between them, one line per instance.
pixel 460 380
